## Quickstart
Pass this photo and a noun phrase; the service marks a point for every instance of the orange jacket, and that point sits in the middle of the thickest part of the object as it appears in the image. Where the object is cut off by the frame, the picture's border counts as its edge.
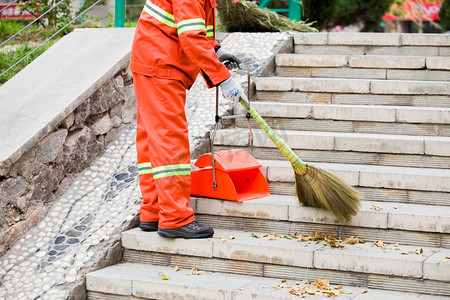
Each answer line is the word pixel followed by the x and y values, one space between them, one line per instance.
pixel 175 39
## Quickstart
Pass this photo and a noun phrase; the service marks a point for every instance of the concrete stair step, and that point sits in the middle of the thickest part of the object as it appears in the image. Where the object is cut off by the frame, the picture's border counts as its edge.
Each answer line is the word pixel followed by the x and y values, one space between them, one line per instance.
pixel 339 141
pixel 372 44
pixel 364 67
pixel 252 253
pixel 372 214
pixel 430 121
pixel 137 280
pixel 352 98
pixel 355 86
pixel 363 61
pixel 349 157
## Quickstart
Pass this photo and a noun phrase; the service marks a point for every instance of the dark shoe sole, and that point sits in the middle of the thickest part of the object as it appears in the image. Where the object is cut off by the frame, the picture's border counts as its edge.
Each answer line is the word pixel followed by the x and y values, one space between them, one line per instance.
pixel 173 233
pixel 149 226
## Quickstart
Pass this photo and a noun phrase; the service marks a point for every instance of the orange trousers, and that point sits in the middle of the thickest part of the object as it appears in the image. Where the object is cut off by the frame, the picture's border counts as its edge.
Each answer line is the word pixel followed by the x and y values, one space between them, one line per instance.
pixel 162 143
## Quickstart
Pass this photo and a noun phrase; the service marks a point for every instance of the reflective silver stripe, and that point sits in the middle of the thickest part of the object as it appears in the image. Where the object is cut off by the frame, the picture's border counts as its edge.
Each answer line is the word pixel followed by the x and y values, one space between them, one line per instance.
pixel 171 170
pixel 191 24
pixel 159 14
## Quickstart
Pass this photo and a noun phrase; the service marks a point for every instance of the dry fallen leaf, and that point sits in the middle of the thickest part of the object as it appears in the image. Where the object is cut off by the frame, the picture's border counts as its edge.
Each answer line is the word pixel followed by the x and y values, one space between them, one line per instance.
pixel 283 280
pixel 164 277
pixel 447 257
pixel 378 244
pixel 395 245
pixel 194 271
pixel 177 268
pixel 363 292
pixel 338 287
pixel 419 251
pixel 256 236
pixel 230 237
pixel 376 207
pixel 353 240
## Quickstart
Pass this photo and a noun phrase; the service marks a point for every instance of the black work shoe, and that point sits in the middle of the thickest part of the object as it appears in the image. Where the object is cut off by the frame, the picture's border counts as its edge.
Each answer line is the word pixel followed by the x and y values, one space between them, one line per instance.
pixel 190 231
pixel 149 226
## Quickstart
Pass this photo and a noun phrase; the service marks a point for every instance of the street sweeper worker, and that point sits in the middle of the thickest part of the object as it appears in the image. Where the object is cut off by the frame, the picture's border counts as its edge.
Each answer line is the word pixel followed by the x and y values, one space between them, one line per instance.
pixel 173 43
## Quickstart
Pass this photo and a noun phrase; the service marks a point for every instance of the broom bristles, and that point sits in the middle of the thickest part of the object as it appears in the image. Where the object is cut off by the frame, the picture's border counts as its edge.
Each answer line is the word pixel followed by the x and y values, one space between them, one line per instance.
pixel 319 188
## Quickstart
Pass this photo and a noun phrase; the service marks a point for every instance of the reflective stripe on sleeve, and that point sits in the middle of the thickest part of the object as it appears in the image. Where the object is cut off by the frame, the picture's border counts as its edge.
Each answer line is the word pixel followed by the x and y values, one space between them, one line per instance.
pixel 210 31
pixel 145 168
pixel 171 170
pixel 191 24
pixel 159 14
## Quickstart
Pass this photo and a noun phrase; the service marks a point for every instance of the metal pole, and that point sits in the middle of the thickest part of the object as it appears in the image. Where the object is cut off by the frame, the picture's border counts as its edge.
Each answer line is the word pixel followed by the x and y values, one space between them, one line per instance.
pixel 295 10
pixel 119 15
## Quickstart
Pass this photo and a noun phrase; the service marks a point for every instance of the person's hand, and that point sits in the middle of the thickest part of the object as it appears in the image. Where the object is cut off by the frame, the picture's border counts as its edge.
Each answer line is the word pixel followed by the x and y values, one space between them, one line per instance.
pixel 229 60
pixel 232 90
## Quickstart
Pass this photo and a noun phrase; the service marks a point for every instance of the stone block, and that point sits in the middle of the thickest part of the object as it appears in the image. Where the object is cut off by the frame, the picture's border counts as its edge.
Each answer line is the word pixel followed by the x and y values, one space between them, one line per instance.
pixel 304 60
pixel 409 87
pixel 51 145
pixel 237 137
pixel 11 189
pixel 316 38
pixel 45 183
pixel 327 50
pixel 437 146
pixel 80 148
pixel 378 143
pixel 102 125
pixel 349 73
pixel 417 39
pixel 438 63
pixel 151 241
pixel 354 113
pixel 115 281
pixel 405 178
pixel 285 110
pixel 273 84
pixel 68 121
pixel 273 207
pixel 388 62
pixel 431 115
pixel 279 251
pixel 419 75
pixel 417 217
pixel 331 85
pixel 108 96
pixel 437 266
pixel 296 139
pixel 366 39
pixel 402 51
pixel 369 259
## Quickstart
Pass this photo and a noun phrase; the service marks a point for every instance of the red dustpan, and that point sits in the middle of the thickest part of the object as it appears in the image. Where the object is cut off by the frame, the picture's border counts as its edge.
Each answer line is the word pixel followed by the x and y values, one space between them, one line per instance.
pixel 235 176
pixel 231 174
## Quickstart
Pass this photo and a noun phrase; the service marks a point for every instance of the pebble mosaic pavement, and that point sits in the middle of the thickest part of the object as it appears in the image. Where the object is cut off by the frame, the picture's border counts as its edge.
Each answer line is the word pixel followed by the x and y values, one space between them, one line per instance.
pixel 88 218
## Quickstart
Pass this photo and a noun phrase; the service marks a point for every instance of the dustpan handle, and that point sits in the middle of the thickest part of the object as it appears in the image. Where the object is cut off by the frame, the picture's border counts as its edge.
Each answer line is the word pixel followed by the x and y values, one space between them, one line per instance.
pixel 217 119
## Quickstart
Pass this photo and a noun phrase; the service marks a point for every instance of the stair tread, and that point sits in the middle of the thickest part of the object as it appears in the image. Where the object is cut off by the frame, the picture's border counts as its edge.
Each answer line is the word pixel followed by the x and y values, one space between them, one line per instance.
pixel 367 113
pixel 340 141
pixel 398 260
pixel 372 214
pixel 144 280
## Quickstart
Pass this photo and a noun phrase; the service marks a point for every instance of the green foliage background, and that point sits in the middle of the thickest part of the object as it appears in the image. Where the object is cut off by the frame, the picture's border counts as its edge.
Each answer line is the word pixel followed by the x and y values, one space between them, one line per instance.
pixel 444 15
pixel 327 13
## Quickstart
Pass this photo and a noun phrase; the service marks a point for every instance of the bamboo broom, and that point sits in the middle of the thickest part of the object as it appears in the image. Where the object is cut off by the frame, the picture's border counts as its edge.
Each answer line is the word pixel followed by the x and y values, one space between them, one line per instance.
pixel 315 187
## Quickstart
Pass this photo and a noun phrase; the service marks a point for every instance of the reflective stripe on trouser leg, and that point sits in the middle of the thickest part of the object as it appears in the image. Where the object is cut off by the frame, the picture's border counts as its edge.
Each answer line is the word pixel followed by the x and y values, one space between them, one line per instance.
pixel 161 104
pixel 149 210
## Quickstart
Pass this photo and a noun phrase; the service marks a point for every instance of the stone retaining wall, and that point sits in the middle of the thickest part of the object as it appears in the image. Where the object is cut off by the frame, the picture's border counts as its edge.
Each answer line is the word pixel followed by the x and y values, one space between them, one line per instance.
pixel 32 182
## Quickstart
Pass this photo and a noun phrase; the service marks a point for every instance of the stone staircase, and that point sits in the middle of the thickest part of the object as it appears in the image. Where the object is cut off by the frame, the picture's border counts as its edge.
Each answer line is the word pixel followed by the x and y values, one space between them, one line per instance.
pixel 371 108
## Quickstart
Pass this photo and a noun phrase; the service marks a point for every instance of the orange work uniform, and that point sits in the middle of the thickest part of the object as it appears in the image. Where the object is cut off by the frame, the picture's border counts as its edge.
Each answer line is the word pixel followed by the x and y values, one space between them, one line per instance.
pixel 173 42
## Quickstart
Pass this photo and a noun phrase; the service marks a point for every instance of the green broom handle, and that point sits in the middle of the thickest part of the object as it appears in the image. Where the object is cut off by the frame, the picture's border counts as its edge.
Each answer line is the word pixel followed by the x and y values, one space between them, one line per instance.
pixel 279 142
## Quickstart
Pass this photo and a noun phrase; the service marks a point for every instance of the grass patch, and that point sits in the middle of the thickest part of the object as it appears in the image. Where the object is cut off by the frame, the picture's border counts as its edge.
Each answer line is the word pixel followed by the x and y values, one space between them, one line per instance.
pixel 10 57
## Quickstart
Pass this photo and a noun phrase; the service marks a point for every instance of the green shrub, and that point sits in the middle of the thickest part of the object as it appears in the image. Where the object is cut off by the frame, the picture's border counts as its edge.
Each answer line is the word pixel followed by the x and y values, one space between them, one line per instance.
pixel 444 15
pixel 10 57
